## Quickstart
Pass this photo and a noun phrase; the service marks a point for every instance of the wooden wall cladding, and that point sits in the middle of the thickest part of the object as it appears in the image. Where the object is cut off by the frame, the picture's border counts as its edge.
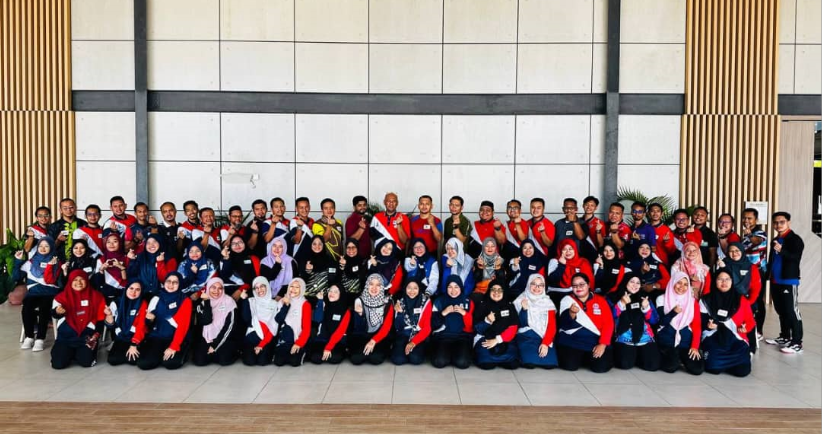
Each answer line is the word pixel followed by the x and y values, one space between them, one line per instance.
pixel 37 152
pixel 730 130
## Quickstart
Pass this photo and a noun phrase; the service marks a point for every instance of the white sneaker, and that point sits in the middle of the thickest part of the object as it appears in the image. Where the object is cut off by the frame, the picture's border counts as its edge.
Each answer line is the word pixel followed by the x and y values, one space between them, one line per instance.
pixel 27 343
pixel 38 345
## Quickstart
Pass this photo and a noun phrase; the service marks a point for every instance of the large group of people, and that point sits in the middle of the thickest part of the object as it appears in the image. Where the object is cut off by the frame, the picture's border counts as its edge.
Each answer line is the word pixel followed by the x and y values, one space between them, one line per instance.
pixel 508 293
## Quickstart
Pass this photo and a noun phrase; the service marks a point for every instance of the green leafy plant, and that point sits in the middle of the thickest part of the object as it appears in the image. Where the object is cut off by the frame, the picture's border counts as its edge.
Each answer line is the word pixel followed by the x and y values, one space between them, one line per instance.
pixel 373 208
pixel 7 264
pixel 627 196
pixel 221 218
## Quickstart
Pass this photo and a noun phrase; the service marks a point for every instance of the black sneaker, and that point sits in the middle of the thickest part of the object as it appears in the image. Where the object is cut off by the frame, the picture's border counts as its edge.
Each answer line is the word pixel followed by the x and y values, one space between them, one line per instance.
pixel 782 342
pixel 792 349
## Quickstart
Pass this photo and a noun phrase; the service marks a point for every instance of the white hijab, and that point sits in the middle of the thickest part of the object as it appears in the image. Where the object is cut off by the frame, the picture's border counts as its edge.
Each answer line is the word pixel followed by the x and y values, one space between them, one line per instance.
pixel 294 317
pixel 539 306
pixel 263 308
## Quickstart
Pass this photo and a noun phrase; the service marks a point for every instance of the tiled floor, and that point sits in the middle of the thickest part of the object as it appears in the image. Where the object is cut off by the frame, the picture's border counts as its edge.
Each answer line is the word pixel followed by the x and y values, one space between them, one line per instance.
pixel 778 380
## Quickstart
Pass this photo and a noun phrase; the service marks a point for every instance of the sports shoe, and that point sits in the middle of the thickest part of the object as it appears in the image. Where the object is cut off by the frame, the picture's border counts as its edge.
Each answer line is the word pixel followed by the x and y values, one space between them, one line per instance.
pixel 27 343
pixel 38 345
pixel 778 341
pixel 759 337
pixel 792 349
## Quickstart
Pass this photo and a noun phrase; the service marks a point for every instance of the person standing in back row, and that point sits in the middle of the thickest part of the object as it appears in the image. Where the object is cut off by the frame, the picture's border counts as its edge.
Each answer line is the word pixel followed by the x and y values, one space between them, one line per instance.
pixel 785 256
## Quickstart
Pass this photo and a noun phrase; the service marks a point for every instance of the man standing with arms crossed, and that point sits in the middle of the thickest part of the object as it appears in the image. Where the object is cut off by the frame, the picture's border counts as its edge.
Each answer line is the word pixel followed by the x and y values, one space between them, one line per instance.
pixel 786 254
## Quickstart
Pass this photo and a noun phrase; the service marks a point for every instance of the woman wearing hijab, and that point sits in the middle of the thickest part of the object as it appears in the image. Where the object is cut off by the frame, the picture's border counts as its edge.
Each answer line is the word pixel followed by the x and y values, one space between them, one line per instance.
pixel 412 324
pixel 680 327
pixel 726 321
pixel 537 325
pixel 487 267
pixel 586 325
pixel 608 269
pixel 495 325
pixel 652 273
pixel 216 311
pixel 196 269
pixel 278 267
pixel 81 258
pixel 151 266
pixel 422 267
pixel 128 324
pixel 113 262
pixel 634 318
pixel 294 321
pixel 238 267
pixel 317 268
pixel 530 261
pixel 331 316
pixel 562 269
pixel 42 272
pixel 259 313
pixel 354 270
pixel 371 323
pixel 386 264
pixel 691 264
pixel 168 319
pixel 452 322
pixel 455 262
pixel 747 280
pixel 80 312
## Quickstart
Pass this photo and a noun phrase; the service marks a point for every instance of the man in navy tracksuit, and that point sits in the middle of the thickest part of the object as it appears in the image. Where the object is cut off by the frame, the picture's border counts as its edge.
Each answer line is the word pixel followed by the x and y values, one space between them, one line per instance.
pixel 786 254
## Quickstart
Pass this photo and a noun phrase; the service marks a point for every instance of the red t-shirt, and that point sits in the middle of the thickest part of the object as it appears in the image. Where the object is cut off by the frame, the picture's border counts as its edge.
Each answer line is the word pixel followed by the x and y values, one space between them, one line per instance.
pixel 422 229
pixel 547 226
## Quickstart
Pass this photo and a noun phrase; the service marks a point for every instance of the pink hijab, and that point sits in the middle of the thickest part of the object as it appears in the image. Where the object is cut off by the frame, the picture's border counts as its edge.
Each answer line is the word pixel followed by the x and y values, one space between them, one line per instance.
pixel 695 267
pixel 220 308
pixel 685 301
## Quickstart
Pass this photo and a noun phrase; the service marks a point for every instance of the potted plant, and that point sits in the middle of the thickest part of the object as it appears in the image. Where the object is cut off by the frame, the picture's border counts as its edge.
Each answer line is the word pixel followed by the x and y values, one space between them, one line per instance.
pixel 7 284
pixel 627 196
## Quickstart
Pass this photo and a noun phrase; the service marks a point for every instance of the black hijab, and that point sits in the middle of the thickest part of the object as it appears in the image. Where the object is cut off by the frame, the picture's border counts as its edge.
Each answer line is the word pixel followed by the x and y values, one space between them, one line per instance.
pixel 504 313
pixel 722 306
pixel 609 278
pixel 332 309
pixel 632 317
pixel 740 270
pixel 82 262
pixel 239 266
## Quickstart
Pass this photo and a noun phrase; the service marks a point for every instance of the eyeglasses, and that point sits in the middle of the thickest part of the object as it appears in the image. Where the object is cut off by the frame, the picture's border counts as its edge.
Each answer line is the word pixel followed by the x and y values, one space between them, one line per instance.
pixel 579 286
pixel 724 279
pixel 42 216
pixel 537 285
pixel 637 211
pixel 511 208
pixel 237 244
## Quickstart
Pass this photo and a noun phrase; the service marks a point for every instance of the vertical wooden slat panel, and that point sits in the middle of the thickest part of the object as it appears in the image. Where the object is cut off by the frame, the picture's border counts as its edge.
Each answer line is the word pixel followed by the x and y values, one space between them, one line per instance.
pixel 37 147
pixel 730 129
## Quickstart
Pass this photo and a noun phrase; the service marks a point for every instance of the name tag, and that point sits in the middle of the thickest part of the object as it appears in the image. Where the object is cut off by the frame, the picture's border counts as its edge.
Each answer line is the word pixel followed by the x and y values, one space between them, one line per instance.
pixel 132 312
pixel 596 309
pixel 465 305
pixel 743 272
pixel 355 268
pixel 576 269
pixel 247 261
pixel 634 305
pixel 84 303
pixel 704 244
pixel 532 267
pixel 172 305
pixel 417 310
pixel 81 312
pixel 204 267
pixel 335 317
pixel 503 313
pixel 653 267
pixel 569 233
pixel 615 271
pixel 722 312
pixel 88 269
pixel 426 227
pixel 332 270
pixel 657 237
pixel 221 308
pixel 132 329
pixel 44 264
pixel 641 236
